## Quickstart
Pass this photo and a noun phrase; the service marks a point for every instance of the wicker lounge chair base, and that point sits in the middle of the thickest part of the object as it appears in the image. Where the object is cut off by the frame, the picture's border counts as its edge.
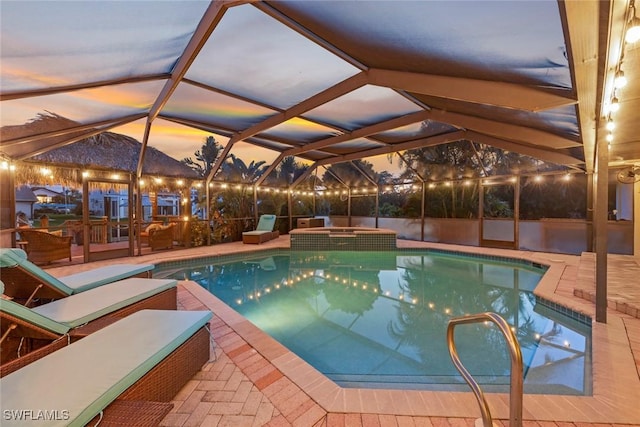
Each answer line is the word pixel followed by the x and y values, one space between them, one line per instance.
pixel 96 380
pixel 132 413
pixel 26 338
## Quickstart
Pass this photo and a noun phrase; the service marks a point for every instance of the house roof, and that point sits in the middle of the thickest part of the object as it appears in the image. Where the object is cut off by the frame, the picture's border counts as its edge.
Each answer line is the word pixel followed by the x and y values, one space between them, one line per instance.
pixel 25 194
pixel 326 81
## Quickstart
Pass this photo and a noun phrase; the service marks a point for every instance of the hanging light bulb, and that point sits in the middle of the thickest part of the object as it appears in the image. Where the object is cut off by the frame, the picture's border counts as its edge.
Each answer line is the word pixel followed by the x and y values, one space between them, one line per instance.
pixel 609 137
pixel 615 105
pixel 610 125
pixel 620 80
pixel 633 30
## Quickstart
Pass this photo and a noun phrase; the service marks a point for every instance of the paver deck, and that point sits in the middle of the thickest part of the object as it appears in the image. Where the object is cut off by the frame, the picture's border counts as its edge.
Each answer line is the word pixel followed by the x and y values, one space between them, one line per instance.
pixel 255 381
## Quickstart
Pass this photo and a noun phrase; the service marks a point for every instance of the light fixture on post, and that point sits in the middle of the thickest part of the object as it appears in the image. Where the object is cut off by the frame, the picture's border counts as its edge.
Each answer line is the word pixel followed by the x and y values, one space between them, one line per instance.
pixel 633 27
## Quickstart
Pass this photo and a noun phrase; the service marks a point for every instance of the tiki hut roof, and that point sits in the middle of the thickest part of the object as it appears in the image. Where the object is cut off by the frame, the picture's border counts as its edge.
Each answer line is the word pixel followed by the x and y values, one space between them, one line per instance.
pixel 117 152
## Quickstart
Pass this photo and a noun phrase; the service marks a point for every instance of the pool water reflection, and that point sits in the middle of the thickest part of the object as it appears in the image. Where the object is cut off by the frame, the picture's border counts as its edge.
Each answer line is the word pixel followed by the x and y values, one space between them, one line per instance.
pixel 379 319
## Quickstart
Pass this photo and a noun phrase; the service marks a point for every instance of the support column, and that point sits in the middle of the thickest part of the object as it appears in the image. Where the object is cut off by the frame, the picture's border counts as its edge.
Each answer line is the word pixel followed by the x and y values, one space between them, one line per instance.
pixel 516 211
pixel 636 221
pixel 591 191
pixel 600 224
pixel 422 200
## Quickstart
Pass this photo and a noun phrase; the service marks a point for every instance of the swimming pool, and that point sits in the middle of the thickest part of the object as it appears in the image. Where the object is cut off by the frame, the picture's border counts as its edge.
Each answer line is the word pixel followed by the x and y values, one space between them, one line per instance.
pixel 378 319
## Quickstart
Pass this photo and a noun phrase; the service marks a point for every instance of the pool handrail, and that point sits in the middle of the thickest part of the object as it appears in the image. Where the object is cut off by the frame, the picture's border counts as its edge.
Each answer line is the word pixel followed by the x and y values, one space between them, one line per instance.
pixel 516 387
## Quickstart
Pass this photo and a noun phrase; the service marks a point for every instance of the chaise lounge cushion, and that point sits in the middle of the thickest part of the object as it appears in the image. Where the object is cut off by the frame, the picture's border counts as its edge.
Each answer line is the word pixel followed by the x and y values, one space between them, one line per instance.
pixel 82 379
pixel 74 283
pixel 86 306
pixel 80 282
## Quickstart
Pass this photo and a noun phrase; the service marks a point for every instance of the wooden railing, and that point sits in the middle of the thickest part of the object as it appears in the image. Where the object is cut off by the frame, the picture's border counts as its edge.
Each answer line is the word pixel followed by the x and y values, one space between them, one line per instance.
pixel 98 229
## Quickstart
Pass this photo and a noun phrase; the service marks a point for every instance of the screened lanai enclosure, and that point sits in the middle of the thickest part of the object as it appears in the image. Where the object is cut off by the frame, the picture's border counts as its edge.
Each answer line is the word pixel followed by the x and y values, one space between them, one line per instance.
pixel 486 123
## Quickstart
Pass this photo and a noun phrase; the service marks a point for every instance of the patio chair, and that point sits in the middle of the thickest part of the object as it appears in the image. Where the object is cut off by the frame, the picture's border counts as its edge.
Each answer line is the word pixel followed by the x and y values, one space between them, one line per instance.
pixel 161 237
pixel 25 281
pixel 263 232
pixel 25 330
pixel 44 247
pixel 125 372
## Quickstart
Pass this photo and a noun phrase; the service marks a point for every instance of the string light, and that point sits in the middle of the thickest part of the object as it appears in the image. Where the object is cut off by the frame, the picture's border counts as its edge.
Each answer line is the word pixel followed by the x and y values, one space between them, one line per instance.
pixel 620 80
pixel 633 29
pixel 610 125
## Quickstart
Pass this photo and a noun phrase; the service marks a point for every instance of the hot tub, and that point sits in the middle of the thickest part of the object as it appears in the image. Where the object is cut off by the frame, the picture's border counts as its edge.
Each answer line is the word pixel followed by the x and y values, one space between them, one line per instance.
pixel 343 239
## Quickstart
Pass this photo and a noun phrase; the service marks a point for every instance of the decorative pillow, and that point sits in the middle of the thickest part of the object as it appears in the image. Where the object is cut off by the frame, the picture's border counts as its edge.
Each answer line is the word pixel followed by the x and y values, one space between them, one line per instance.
pixel 56 233
pixel 152 227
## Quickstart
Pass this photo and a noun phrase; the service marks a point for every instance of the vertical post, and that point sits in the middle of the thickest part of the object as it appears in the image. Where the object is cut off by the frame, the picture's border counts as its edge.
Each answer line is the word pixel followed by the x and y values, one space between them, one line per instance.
pixel 590 196
pixel 290 208
pixel 86 238
pixel 600 223
pixel 422 209
pixel 636 221
pixel 8 201
pixel 256 215
pixel 207 211
pixel 377 204
pixel 516 213
pixel 131 187
pixel 138 214
pixel 349 206
pixel 480 211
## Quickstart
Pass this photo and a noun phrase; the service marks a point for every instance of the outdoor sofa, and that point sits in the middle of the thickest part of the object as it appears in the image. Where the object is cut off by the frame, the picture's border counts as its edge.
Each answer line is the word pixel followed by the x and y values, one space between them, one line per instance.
pixel 124 374
pixel 27 333
pixel 25 281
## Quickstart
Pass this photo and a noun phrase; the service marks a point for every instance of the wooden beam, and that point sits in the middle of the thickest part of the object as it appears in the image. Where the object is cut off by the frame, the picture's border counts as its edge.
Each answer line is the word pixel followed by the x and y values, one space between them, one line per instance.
pixel 360 133
pixel 503 129
pixel 207 24
pixel 417 143
pixel 66 131
pixel 507 95
pixel 8 96
pixel 547 155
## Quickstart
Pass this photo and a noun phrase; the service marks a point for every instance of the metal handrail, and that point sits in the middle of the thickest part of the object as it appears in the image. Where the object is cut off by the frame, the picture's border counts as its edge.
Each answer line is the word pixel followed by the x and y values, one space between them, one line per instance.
pixel 516 388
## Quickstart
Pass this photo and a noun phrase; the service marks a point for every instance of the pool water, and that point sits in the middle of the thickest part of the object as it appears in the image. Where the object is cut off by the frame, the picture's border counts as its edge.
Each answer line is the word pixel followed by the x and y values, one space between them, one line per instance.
pixel 379 319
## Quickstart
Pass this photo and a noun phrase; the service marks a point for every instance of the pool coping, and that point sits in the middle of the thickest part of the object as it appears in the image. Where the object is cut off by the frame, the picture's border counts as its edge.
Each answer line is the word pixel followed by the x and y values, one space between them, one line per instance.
pixel 615 379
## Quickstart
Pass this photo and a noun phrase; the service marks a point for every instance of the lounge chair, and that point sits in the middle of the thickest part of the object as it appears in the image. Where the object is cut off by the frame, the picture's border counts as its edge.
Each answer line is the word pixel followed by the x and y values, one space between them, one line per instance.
pixel 25 281
pixel 122 372
pixel 24 330
pixel 44 247
pixel 263 232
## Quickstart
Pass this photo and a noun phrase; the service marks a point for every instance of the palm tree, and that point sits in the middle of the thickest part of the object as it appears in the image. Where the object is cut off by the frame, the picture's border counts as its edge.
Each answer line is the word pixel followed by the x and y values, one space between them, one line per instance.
pixel 206 156
pixel 237 171
pixel 233 207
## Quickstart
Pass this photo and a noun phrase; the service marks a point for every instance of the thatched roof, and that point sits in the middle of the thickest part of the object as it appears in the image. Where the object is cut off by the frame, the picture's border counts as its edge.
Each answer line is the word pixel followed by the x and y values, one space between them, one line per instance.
pixel 113 151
